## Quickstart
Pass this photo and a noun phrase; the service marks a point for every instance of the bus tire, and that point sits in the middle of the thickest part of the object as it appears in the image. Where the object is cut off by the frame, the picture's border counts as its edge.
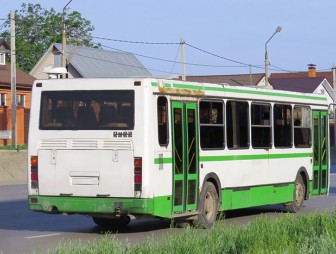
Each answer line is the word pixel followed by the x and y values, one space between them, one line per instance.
pixel 299 196
pixel 207 207
pixel 106 222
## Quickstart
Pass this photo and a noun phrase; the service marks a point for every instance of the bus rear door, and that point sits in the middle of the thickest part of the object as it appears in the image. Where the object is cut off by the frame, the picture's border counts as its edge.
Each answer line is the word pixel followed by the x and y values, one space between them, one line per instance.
pixel 185 157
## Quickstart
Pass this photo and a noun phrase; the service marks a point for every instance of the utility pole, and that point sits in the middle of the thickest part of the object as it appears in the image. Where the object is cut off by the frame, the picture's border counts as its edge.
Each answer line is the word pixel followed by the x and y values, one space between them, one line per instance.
pixel 182 42
pixel 250 68
pixel 64 38
pixel 13 77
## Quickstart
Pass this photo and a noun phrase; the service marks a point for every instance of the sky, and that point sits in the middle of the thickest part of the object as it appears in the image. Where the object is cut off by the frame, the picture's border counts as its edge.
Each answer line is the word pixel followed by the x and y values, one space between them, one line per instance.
pixel 221 36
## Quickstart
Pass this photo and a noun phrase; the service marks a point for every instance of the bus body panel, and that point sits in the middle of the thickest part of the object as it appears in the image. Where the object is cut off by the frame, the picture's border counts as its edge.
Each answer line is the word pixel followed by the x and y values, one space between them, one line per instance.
pixel 89 173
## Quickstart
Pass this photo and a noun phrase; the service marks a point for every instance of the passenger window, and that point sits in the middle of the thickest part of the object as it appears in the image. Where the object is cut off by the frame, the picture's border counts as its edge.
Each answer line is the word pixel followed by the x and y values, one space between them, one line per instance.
pixel 282 115
pixel 261 125
pixel 87 110
pixel 302 126
pixel 211 124
pixel 237 124
pixel 162 116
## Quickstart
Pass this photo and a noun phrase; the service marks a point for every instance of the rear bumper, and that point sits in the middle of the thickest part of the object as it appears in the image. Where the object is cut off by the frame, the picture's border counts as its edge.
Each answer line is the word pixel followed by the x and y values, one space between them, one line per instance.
pixel 90 205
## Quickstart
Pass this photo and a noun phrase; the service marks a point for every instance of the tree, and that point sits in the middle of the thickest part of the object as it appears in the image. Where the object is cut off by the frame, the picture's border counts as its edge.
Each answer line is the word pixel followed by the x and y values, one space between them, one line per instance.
pixel 37 28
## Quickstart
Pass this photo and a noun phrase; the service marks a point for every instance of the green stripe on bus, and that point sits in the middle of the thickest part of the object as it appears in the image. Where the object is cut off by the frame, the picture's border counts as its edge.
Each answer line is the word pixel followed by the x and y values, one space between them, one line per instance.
pixel 163 160
pixel 233 90
pixel 254 157
pixel 191 87
pixel 240 157
pixel 272 93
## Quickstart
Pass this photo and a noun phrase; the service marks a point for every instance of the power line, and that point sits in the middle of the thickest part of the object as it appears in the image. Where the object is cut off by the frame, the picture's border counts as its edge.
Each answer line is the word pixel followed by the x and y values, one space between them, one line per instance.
pixel 3 24
pixel 225 58
pixel 177 53
pixel 137 42
pixel 178 43
pixel 171 61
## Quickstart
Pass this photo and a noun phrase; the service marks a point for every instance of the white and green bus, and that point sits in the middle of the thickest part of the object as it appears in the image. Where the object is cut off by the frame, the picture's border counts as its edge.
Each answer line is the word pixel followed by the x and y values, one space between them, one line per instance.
pixel 119 149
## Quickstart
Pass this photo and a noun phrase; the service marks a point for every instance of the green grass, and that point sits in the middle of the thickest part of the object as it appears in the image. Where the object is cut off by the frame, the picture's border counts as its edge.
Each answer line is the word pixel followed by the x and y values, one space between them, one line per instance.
pixel 306 234
pixel 10 147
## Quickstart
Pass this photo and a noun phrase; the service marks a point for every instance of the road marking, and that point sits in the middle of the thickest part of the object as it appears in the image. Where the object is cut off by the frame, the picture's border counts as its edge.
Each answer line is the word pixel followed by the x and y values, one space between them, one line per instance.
pixel 40 236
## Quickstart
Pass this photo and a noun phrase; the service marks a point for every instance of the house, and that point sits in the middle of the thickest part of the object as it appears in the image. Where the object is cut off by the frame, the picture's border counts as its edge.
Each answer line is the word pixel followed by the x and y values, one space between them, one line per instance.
pixel 309 82
pixel 328 75
pixel 24 84
pixel 83 62
pixel 317 85
pixel 236 80
pixel 305 82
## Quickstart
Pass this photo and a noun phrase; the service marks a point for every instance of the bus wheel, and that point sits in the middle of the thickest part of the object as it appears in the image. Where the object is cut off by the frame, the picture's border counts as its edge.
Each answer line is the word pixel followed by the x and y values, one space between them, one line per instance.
pixel 208 207
pixel 299 196
pixel 117 222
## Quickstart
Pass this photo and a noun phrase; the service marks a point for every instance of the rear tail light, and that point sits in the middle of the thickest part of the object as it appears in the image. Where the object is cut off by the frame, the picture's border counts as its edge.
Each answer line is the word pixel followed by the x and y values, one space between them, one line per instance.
pixel 137 174
pixel 34 172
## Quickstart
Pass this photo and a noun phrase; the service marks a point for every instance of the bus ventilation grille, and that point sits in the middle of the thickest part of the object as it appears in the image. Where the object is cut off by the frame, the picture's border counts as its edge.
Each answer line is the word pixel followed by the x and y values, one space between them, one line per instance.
pixel 79 144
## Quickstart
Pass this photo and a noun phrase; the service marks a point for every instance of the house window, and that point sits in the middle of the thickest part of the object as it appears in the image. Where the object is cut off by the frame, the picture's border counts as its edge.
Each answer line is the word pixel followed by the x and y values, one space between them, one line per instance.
pixel 2 59
pixel 2 99
pixel 20 100
pixel 57 61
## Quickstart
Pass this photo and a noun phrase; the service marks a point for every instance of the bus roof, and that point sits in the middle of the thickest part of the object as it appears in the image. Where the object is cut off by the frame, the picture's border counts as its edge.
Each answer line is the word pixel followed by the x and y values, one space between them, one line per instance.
pixel 186 88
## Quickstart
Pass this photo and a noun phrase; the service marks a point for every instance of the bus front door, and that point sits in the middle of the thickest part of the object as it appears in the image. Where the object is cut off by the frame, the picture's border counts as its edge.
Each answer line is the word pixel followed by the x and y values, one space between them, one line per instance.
pixel 320 153
pixel 185 157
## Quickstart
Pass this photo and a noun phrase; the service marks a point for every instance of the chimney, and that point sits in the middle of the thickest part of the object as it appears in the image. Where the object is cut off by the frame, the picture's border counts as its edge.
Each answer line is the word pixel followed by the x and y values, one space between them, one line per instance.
pixel 311 70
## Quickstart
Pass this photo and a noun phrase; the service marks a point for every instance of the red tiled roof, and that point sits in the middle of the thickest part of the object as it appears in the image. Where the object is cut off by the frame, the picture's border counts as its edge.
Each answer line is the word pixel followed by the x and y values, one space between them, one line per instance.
pixel 22 79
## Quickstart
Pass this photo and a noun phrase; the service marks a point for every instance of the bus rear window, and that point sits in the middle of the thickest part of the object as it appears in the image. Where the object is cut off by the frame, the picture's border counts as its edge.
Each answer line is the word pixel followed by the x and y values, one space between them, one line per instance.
pixel 87 110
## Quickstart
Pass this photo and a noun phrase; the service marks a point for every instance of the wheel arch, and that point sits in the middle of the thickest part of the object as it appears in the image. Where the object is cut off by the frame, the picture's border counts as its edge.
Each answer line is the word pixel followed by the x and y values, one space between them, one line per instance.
pixel 214 179
pixel 305 177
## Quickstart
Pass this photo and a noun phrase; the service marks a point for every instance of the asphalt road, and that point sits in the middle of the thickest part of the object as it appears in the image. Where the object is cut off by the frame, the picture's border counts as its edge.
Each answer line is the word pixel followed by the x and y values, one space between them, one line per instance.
pixel 24 231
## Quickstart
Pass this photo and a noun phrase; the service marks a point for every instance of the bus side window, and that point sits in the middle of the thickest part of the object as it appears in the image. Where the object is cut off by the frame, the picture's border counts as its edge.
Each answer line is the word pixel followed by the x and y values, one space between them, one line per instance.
pixel 237 121
pixel 261 126
pixel 302 126
pixel 162 118
pixel 282 115
pixel 211 115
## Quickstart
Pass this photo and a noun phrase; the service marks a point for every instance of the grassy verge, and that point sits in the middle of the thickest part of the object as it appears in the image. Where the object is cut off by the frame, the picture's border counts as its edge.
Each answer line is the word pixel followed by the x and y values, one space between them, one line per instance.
pixel 287 234
pixel 9 147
